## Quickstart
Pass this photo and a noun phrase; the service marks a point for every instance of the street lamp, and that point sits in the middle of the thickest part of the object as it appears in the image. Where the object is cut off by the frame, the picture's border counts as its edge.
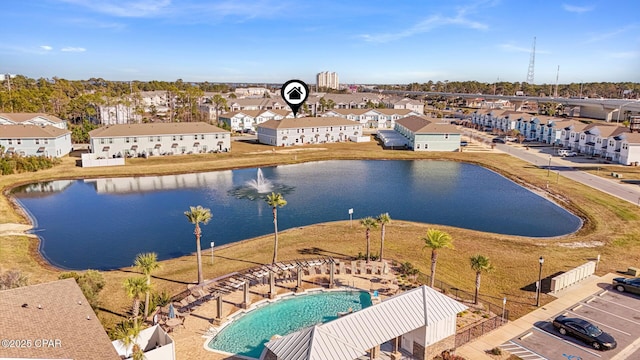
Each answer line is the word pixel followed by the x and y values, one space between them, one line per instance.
pixel 212 244
pixel 504 303
pixel 539 284
pixel 549 168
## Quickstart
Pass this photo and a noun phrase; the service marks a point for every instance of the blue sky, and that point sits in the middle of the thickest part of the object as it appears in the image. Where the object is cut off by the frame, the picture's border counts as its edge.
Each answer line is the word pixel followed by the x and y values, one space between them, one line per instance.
pixel 364 41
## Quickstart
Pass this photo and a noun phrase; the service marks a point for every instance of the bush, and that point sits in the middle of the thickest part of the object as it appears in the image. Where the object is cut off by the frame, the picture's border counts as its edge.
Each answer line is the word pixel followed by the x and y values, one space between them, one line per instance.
pixel 12 163
pixel 90 282
pixel 496 351
pixel 12 279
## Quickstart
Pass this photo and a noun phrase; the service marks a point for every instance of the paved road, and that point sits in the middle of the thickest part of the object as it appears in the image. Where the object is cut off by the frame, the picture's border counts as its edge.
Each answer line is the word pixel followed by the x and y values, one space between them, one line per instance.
pixel 563 166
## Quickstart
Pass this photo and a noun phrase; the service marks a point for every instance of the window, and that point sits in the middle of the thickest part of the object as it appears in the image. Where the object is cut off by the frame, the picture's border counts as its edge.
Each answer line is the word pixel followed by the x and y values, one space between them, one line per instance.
pixel 158 138
pixel 110 140
pixel 101 141
pixel 195 137
pixel 181 137
pixel 37 141
pixel 126 140
pixel 173 138
pixel 446 136
pixel 19 141
pixel 46 141
pixel 418 146
pixel 202 137
pixel 150 138
pixel 10 141
pixel 135 139
pixel 216 136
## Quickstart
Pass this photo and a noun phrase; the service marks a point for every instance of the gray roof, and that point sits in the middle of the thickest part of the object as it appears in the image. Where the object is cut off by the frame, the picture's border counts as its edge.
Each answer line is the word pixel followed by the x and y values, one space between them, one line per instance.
pixel 353 335
pixel 183 128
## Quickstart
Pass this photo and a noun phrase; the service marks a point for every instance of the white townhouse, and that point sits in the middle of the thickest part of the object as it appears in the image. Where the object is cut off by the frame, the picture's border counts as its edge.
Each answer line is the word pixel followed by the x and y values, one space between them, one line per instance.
pixel 248 119
pixel 424 135
pixel 594 138
pixel 624 148
pixel 307 130
pixel 158 139
pixel 372 118
pixel 35 140
pixel 570 134
pixel 506 120
pixel 551 132
pixel 273 103
pixel 485 118
pixel 409 104
pixel 39 119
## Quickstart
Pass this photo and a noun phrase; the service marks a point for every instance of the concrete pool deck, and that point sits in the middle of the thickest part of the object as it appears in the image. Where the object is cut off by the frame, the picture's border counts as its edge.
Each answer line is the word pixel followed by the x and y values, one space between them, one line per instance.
pixel 190 338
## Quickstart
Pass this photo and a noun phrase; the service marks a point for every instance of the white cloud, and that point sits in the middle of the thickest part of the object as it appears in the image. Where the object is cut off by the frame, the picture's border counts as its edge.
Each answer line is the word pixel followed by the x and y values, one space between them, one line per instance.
pixel 577 9
pixel 625 55
pixel 73 49
pixel 124 8
pixel 46 47
pixel 509 47
pixel 610 34
pixel 434 21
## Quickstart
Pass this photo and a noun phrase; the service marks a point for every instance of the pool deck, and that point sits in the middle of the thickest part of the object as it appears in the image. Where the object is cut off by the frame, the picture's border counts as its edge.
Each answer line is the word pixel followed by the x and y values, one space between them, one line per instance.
pixel 190 338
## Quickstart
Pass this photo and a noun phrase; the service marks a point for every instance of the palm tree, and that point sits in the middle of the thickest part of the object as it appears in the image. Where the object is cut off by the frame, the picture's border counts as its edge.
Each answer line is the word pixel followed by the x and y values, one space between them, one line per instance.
pixel 128 333
pixel 480 264
pixel 383 219
pixel 275 201
pixel 435 240
pixel 147 263
pixel 368 223
pixel 197 215
pixel 136 287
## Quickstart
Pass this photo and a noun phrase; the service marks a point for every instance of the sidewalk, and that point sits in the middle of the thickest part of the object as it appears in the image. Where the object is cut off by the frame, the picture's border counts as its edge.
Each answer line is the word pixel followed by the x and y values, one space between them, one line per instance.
pixel 567 298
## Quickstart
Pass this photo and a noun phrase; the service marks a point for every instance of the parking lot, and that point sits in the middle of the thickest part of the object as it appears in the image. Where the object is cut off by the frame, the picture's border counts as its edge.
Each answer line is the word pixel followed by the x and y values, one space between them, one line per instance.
pixel 615 313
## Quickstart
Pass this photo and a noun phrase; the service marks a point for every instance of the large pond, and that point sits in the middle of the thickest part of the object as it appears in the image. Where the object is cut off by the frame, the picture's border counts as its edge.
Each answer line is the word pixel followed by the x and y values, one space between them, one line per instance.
pixel 105 223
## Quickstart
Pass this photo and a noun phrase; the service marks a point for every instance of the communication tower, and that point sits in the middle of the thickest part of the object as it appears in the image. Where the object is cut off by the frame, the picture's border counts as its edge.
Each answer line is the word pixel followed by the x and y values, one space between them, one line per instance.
pixel 532 63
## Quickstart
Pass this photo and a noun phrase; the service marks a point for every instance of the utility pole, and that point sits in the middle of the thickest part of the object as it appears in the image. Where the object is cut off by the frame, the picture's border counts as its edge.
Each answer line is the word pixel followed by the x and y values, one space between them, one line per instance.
pixel 532 63
pixel 555 94
pixel 8 77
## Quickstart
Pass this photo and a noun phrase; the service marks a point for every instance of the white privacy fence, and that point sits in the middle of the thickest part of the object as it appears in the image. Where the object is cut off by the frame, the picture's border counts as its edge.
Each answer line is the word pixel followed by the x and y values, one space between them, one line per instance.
pixel 572 276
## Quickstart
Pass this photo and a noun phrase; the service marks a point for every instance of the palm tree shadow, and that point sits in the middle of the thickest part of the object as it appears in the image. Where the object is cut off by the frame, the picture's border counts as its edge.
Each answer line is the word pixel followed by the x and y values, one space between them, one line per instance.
pixel 156 277
pixel 323 252
pixel 240 260
pixel 113 312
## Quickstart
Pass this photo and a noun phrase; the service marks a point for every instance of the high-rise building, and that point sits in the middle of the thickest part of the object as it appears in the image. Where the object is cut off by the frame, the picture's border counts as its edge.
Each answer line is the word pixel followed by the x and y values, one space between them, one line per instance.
pixel 327 79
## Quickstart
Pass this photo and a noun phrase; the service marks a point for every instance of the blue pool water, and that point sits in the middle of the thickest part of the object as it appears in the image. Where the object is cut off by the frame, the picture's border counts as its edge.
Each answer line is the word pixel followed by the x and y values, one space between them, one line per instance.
pixel 248 334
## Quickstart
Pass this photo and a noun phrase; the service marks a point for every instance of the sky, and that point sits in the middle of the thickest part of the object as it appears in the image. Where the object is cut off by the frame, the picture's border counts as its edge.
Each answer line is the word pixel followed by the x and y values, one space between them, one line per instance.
pixel 363 41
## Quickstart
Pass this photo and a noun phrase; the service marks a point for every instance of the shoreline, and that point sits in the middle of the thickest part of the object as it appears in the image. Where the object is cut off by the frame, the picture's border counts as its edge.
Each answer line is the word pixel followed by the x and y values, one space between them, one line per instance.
pixel 22 229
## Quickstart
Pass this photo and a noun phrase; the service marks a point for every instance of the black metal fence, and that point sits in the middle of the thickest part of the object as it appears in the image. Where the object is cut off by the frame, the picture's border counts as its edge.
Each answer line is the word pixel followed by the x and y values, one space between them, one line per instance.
pixel 493 316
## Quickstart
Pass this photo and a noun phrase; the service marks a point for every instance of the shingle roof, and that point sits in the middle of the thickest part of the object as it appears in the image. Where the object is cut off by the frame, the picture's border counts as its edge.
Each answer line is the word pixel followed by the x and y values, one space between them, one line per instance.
pixel 55 310
pixel 31 131
pixel 156 129
pixel 22 117
pixel 632 138
pixel 349 337
pixel 420 125
pixel 305 122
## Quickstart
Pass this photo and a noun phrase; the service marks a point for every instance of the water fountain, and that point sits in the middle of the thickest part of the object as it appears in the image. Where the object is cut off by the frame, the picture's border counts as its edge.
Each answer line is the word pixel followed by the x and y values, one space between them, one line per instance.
pixel 260 183
pixel 259 188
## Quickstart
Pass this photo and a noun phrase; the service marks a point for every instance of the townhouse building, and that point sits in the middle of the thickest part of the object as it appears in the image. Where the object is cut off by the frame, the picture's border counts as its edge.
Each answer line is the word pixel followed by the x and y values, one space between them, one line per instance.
pixel 307 130
pixel 158 139
pixel 35 140
pixel 246 120
pixel 371 118
pixel 422 134
pixel 594 138
pixel 39 119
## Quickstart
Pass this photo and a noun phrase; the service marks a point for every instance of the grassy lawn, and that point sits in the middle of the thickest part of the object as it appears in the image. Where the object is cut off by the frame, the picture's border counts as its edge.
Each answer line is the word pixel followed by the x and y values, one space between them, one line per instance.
pixel 611 228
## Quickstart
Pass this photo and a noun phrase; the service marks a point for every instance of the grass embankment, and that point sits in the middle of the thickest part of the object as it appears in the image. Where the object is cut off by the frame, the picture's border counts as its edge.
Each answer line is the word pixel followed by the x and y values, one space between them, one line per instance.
pixel 611 228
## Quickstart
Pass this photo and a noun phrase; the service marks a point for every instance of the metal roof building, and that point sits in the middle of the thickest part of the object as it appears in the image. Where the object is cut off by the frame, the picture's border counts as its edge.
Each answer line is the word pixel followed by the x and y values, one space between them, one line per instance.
pixel 420 320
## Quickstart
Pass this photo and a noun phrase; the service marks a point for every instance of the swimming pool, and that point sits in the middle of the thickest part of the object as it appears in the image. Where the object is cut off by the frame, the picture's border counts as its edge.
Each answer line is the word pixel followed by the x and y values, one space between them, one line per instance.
pixel 247 335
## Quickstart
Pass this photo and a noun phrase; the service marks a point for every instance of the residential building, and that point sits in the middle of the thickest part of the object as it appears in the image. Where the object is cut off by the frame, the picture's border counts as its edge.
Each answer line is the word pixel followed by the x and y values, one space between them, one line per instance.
pixel 158 139
pixel 372 118
pixel 154 342
pixel 624 148
pixel 594 138
pixel 424 135
pixel 252 91
pixel 408 104
pixel 421 321
pixel 35 140
pixel 327 79
pixel 307 130
pixel 52 321
pixel 245 120
pixel 39 119
pixel 272 103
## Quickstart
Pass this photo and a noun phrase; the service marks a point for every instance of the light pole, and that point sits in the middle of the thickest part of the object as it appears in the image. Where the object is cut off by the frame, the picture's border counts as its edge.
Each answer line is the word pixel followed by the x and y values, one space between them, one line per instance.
pixel 539 284
pixel 504 303
pixel 212 245
pixel 549 168
pixel 351 217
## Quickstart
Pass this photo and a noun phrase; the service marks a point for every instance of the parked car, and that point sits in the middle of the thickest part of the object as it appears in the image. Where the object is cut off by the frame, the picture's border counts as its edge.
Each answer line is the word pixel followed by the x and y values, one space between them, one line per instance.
pixel 583 330
pixel 631 285
pixel 498 140
pixel 463 143
pixel 565 152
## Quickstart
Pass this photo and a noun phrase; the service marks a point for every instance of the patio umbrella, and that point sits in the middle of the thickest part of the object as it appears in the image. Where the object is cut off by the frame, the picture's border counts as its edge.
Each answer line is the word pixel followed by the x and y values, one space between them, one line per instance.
pixel 172 311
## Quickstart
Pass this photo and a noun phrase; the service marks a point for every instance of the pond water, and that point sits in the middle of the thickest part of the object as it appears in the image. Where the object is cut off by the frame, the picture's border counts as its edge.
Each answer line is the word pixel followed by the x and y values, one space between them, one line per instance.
pixel 104 223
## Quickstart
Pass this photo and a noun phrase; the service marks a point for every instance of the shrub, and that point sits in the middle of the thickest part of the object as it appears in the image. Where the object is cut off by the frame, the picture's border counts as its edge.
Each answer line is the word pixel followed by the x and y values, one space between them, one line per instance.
pixel 496 351
pixel 12 279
